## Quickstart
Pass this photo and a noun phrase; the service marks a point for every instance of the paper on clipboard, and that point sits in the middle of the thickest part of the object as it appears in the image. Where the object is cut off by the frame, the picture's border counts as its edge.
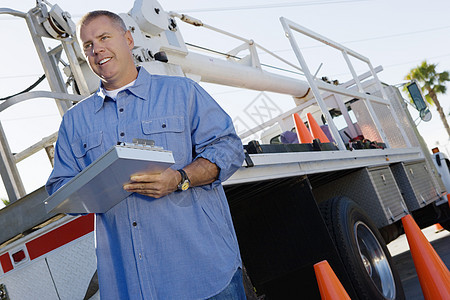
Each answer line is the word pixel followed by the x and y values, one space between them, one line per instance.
pixel 99 186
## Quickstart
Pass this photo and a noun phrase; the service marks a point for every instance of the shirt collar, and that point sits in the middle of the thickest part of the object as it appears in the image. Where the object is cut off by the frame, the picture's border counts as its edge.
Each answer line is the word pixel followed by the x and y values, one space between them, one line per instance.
pixel 140 89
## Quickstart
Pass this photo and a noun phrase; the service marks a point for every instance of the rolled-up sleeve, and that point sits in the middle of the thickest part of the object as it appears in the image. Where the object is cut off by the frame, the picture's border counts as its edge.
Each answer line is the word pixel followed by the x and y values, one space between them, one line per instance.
pixel 213 135
pixel 65 164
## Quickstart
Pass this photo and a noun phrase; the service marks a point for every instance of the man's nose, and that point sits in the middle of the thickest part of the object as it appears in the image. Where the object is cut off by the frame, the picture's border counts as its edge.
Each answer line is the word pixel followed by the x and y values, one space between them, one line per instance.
pixel 98 48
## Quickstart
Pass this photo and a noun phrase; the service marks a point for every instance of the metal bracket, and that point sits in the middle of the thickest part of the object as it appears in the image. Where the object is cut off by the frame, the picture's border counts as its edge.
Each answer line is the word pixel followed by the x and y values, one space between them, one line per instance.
pixel 3 293
pixel 383 177
pixel 248 160
pixel 423 199
pixel 391 214
pixel 144 142
pixel 405 210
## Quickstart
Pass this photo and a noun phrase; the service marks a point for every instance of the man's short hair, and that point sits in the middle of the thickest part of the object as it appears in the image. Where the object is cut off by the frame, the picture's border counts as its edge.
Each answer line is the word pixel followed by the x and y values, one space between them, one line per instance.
pixel 115 18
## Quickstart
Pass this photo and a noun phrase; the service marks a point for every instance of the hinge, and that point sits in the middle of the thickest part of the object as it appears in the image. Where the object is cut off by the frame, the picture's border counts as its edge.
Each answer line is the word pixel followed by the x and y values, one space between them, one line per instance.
pixel 405 210
pixel 391 215
pixel 423 199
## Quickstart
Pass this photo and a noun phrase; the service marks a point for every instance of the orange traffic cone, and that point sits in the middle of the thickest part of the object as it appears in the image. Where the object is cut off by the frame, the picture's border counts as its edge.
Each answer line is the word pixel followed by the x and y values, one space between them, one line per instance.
pixel 303 134
pixel 448 199
pixel 329 285
pixel 317 133
pixel 438 227
pixel 434 276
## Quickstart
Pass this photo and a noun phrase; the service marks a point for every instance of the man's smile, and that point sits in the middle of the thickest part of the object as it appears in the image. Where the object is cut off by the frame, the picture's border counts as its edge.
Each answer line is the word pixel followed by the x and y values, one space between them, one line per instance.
pixel 105 60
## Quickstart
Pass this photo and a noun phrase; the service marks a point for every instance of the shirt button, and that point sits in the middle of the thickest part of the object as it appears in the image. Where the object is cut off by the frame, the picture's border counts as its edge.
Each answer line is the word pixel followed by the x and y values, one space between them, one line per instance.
pixel 134 224
pixel 121 109
pixel 163 125
pixel 140 256
pixel 122 134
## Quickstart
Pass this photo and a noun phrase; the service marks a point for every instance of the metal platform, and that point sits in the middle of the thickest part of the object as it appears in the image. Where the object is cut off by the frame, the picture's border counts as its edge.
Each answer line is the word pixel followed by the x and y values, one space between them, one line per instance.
pixel 280 165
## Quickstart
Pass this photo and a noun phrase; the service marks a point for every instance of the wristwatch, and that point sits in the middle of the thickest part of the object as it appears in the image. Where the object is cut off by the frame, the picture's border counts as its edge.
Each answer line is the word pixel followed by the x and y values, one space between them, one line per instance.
pixel 185 183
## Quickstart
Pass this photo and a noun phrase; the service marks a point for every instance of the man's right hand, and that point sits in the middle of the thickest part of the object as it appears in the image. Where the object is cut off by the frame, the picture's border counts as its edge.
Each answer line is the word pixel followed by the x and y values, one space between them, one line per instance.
pixel 154 185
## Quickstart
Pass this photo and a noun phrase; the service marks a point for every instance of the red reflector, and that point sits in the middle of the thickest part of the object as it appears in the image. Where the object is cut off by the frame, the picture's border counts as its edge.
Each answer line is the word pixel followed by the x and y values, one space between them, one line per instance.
pixel 6 263
pixel 18 256
pixel 60 236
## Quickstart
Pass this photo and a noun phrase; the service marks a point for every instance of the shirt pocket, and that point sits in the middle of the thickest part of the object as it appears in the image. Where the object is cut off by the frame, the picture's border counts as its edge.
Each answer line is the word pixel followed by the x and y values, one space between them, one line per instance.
pixel 170 133
pixel 87 148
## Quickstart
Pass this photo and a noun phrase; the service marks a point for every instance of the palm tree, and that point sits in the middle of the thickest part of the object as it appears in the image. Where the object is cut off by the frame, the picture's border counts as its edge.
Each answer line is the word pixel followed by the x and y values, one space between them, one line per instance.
pixel 433 83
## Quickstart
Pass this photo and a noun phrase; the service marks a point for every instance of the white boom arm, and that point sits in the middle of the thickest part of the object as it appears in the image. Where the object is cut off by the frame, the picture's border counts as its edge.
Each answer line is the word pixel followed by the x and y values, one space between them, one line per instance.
pixel 154 30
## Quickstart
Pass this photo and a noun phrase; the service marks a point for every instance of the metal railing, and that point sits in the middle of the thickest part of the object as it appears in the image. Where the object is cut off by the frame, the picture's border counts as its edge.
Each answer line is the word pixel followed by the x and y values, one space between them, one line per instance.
pixel 49 60
pixel 317 86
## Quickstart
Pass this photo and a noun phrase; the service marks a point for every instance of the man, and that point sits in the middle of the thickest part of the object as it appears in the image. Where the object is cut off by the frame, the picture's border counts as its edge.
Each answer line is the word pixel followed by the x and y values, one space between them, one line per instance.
pixel 163 241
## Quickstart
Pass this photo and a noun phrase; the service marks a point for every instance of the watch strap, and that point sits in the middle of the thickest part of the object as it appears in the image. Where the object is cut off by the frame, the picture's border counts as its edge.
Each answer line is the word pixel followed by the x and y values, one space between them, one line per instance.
pixel 185 182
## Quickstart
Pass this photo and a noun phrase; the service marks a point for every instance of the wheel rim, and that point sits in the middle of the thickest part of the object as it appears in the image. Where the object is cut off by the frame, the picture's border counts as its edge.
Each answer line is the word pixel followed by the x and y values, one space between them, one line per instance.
pixel 374 260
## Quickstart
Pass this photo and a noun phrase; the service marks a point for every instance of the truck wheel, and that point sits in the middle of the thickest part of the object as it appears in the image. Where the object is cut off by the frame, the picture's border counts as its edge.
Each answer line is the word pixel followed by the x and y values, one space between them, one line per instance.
pixel 362 250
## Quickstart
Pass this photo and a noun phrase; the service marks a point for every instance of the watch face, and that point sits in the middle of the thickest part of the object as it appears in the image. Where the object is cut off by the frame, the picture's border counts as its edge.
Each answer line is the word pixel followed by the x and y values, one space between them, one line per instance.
pixel 185 185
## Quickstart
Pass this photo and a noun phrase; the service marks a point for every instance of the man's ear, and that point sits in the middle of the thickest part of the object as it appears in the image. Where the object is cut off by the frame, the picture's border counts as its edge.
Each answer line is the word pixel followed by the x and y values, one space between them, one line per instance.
pixel 130 40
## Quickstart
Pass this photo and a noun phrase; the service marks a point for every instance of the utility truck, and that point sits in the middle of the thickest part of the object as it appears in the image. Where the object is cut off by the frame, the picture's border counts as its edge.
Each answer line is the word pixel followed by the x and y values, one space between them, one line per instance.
pixel 293 204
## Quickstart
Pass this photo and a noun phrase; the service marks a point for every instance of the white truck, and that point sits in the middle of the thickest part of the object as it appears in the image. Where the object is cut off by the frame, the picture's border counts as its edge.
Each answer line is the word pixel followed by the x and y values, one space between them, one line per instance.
pixel 293 204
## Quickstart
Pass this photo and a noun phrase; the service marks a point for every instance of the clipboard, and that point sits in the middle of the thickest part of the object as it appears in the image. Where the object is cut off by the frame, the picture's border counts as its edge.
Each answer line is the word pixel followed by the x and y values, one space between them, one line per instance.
pixel 98 187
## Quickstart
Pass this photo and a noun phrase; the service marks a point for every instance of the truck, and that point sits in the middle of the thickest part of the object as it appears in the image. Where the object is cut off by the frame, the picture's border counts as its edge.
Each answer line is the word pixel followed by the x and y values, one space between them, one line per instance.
pixel 293 203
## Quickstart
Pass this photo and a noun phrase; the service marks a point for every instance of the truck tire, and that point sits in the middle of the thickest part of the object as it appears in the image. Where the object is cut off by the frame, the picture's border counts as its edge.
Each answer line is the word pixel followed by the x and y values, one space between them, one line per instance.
pixel 362 250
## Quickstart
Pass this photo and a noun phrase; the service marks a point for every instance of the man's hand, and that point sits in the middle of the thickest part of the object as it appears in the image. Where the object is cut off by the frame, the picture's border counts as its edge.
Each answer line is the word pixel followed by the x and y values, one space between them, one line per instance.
pixel 200 172
pixel 154 185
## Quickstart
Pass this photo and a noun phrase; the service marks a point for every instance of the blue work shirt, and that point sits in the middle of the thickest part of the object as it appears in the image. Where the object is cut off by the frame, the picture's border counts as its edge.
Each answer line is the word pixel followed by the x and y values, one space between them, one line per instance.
pixel 183 245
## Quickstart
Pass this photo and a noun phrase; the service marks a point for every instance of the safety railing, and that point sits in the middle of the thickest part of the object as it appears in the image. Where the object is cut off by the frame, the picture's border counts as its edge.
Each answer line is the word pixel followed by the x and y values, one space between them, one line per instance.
pixel 317 86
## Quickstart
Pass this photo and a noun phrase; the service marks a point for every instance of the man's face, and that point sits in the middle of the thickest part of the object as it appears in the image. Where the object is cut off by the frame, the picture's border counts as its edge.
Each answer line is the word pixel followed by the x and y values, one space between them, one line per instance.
pixel 108 51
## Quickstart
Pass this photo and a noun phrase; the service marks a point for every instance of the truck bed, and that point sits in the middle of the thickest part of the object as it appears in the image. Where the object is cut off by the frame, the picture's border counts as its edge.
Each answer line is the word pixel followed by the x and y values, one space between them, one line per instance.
pixel 279 165
pixel 21 216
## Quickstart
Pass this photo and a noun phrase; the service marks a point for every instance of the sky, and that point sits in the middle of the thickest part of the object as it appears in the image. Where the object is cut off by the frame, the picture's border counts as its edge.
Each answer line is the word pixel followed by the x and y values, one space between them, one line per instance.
pixel 398 35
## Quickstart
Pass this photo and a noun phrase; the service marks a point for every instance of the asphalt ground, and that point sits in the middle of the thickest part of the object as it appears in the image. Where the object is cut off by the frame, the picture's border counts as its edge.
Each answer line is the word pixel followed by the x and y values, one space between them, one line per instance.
pixel 403 260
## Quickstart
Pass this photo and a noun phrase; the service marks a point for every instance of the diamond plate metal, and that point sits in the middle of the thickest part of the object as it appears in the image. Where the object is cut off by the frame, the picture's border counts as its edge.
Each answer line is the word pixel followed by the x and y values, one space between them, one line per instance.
pixel 384 114
pixel 72 267
pixel 397 106
pixel 388 192
pixel 437 180
pixel 380 199
pixel 390 128
pixel 365 122
pixel 415 183
pixel 68 268
pixel 32 281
